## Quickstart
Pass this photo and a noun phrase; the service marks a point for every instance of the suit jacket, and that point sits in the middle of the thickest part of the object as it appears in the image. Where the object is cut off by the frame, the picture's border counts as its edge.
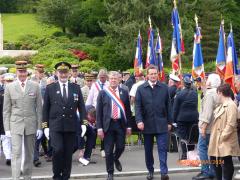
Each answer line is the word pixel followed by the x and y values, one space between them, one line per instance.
pixel 104 110
pixel 22 111
pixel 153 107
pixel 58 115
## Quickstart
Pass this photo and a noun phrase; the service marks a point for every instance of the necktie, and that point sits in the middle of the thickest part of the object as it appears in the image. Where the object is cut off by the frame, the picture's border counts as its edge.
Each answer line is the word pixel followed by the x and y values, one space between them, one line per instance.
pixel 76 80
pixel 102 85
pixel 23 84
pixel 64 93
pixel 115 110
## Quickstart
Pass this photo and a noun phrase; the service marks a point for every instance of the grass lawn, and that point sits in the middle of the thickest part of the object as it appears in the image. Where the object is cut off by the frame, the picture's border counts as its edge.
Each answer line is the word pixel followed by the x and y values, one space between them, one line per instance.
pixel 17 25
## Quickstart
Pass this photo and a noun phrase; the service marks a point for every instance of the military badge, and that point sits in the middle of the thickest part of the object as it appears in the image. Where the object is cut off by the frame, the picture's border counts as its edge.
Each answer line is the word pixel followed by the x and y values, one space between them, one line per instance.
pixel 75 97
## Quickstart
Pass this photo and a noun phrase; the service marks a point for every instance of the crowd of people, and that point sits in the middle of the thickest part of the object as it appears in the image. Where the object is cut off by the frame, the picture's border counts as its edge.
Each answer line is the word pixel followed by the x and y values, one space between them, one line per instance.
pixel 65 112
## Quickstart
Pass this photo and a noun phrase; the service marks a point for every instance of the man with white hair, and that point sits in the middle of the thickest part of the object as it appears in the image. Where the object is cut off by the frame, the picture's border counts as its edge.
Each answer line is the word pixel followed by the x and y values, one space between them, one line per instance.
pixel 113 121
pixel 208 105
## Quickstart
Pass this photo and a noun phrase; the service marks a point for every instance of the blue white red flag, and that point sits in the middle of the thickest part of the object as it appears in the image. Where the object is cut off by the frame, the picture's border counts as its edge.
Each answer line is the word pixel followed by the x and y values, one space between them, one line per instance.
pixel 221 54
pixel 177 41
pixel 138 66
pixel 231 62
pixel 159 61
pixel 151 57
pixel 198 64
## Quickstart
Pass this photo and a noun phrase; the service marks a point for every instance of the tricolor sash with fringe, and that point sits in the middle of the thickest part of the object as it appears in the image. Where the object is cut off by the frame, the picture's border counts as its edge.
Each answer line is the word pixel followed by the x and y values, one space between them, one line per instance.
pixel 116 100
pixel 98 85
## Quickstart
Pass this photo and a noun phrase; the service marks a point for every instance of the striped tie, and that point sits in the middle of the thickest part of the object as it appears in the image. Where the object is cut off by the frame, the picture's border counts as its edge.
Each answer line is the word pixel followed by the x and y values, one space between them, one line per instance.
pixel 115 110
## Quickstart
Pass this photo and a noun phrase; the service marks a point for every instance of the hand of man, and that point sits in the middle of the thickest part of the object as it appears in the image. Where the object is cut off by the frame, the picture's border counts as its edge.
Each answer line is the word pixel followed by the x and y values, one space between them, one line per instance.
pixel 140 126
pixel 46 133
pixel 203 132
pixel 8 134
pixel 101 134
pixel 39 134
pixel 128 131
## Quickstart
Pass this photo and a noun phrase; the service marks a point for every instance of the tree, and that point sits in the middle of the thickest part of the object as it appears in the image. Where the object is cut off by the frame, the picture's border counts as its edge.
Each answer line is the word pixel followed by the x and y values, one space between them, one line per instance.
pixel 56 12
pixel 8 6
pixel 126 18
pixel 86 19
pixel 210 13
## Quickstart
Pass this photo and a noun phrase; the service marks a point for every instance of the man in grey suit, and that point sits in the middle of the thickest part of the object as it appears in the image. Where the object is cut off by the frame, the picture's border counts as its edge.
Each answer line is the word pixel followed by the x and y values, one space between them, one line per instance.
pixel 22 114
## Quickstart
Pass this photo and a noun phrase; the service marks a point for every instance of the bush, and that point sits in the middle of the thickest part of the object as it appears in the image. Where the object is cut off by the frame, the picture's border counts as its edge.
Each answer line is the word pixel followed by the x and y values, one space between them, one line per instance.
pixel 88 66
pixel 7 60
pixel 109 58
pixel 50 55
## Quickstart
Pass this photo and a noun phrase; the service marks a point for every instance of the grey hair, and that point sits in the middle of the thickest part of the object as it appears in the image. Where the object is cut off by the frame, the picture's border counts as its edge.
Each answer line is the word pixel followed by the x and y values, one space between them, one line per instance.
pixel 102 72
pixel 113 73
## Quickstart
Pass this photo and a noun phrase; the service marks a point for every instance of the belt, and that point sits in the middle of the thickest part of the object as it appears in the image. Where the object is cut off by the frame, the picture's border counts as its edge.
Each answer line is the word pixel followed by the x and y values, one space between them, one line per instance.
pixel 115 120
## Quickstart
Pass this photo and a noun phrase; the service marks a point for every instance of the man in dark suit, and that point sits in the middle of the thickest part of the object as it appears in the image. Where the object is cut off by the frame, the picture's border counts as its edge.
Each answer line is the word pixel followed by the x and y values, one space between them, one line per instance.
pixel 61 102
pixel 153 117
pixel 113 121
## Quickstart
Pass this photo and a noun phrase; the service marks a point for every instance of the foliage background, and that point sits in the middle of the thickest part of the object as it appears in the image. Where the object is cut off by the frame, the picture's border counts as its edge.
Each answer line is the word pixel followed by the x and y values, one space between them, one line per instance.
pixel 107 29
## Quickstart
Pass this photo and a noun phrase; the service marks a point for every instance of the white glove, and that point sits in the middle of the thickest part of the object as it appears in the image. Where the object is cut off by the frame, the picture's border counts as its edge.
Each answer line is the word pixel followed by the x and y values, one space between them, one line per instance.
pixel 8 133
pixel 46 133
pixel 39 134
pixel 84 130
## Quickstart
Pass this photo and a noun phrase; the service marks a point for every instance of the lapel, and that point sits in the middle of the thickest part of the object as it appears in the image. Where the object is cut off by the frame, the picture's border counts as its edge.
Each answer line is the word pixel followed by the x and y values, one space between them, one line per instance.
pixel 27 88
pixel 58 92
pixel 70 93
pixel 18 88
pixel 121 95
pixel 219 111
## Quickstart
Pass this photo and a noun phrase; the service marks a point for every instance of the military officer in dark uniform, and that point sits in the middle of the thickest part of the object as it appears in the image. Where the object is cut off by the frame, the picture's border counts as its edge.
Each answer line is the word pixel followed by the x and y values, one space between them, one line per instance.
pixel 61 101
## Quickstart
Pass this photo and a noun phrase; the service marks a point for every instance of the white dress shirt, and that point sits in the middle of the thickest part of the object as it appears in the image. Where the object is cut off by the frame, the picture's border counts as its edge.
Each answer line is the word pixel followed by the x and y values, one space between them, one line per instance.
pixel 152 84
pixel 61 87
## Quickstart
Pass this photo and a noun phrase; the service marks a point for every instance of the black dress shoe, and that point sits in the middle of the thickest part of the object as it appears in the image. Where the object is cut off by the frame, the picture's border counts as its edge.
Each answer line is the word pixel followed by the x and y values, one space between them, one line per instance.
pixel 37 163
pixel 202 176
pixel 8 162
pixel 118 165
pixel 150 176
pixel 164 177
pixel 110 177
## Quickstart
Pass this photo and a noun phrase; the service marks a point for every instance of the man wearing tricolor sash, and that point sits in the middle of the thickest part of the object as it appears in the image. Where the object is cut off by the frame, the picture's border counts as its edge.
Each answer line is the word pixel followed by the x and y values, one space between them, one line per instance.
pixel 113 121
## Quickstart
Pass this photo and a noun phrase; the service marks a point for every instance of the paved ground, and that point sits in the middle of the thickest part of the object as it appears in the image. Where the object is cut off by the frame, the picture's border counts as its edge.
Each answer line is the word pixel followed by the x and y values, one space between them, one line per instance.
pixel 132 161
pixel 177 176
